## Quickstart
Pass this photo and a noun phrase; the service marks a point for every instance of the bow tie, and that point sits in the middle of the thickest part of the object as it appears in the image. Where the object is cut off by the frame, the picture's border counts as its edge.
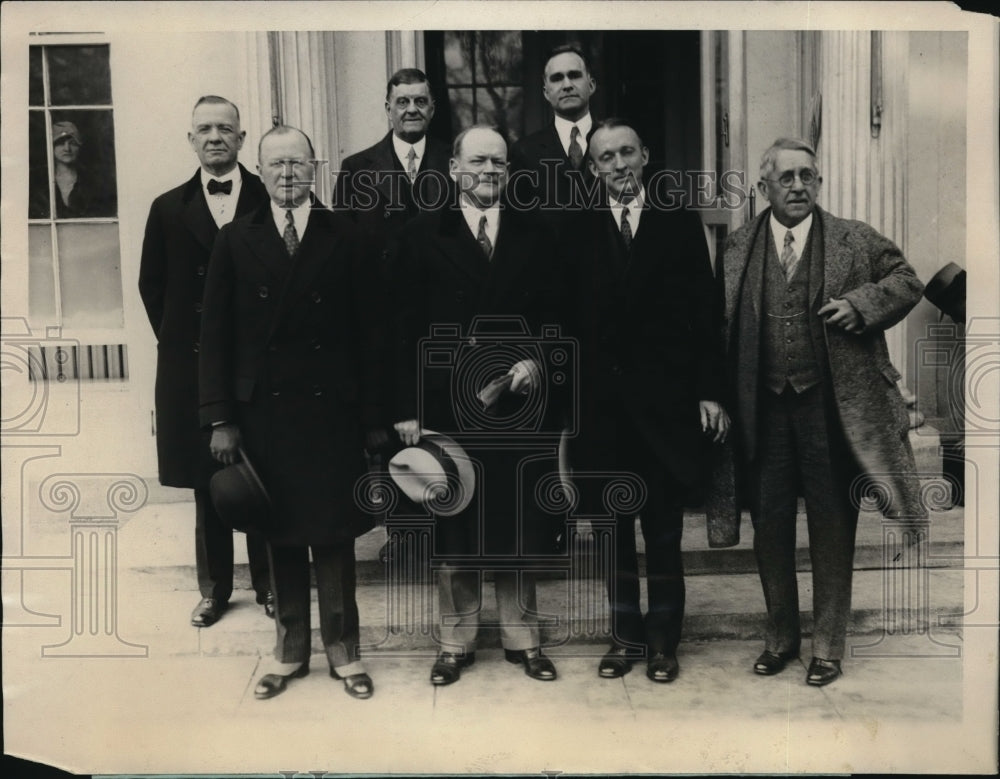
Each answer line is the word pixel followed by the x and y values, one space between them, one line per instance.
pixel 215 187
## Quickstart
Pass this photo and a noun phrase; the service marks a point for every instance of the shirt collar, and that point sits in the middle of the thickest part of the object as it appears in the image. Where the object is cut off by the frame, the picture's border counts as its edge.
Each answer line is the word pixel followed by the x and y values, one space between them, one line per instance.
pixel 233 175
pixel 564 127
pixel 800 232
pixel 402 148
pixel 300 214
pixel 633 205
pixel 473 215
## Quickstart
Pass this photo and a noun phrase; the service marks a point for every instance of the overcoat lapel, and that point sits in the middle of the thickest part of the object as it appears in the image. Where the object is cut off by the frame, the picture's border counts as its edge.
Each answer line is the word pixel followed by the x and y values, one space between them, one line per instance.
pixel 264 242
pixel 512 250
pixel 459 246
pixel 384 162
pixel 838 259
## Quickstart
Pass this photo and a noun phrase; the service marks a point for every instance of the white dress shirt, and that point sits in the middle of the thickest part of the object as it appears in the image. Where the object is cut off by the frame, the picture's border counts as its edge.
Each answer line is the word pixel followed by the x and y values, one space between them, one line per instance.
pixel 402 149
pixel 634 207
pixel 800 233
pixel 564 129
pixel 473 215
pixel 300 214
pixel 223 207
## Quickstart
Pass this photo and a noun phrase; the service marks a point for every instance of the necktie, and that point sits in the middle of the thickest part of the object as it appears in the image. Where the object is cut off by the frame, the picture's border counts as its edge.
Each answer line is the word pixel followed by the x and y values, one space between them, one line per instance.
pixel 216 187
pixel 290 236
pixel 626 229
pixel 483 239
pixel 411 164
pixel 575 150
pixel 788 259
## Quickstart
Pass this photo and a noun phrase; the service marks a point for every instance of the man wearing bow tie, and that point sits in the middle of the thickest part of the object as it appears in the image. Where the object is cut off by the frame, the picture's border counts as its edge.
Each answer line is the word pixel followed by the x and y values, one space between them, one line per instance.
pixel 180 235
pixel 548 167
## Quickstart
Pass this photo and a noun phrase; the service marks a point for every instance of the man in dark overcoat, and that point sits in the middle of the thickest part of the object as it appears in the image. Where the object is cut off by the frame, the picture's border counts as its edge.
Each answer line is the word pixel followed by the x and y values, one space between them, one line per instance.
pixel 651 380
pixel 290 349
pixel 549 169
pixel 386 185
pixel 180 234
pixel 808 298
pixel 478 258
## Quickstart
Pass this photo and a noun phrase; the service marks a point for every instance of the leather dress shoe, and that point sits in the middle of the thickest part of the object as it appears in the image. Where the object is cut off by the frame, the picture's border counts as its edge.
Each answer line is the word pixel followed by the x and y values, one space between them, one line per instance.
pixel 615 663
pixel 536 665
pixel 771 663
pixel 266 599
pixel 663 667
pixel 207 612
pixel 822 671
pixel 448 667
pixel 356 685
pixel 275 684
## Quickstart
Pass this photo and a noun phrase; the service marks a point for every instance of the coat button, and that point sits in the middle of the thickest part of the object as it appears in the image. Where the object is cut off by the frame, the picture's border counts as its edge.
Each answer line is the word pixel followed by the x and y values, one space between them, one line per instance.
pixel 317 390
pixel 197 308
pixel 275 393
pixel 460 295
pixel 196 347
pixel 200 270
pixel 617 370
pixel 387 214
pixel 317 345
pixel 473 341
pixel 272 348
pixel 262 292
pixel 316 297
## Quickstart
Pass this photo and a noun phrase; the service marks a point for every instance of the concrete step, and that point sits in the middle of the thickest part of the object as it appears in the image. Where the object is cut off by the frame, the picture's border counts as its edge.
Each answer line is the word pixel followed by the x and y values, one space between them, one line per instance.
pixel 160 538
pixel 402 619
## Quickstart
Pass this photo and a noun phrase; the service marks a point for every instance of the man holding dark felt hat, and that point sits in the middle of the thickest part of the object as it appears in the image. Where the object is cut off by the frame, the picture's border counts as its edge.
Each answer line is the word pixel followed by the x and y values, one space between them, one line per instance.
pixel 290 351
pixel 180 232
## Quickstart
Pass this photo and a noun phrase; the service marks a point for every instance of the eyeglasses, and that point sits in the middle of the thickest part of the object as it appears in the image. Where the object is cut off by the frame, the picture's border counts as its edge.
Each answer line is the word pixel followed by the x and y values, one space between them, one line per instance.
pixel 806 175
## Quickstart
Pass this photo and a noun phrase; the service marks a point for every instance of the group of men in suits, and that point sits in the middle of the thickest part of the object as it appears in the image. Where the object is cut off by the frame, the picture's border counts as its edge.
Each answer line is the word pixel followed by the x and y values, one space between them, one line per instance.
pixel 768 363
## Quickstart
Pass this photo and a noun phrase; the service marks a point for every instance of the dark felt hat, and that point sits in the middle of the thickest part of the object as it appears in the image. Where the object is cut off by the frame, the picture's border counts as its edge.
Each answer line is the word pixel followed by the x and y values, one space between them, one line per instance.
pixel 240 498
pixel 946 290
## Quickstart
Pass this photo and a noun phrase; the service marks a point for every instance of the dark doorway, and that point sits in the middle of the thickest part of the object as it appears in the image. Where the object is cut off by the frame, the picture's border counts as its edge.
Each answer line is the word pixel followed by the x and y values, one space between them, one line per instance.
pixel 650 78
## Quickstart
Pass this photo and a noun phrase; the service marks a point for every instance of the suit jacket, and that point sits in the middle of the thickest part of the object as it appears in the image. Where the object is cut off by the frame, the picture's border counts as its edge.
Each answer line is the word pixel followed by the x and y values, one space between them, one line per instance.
pixel 443 280
pixel 374 188
pixel 180 234
pixel 290 350
pixel 648 323
pixel 856 263
pixel 540 168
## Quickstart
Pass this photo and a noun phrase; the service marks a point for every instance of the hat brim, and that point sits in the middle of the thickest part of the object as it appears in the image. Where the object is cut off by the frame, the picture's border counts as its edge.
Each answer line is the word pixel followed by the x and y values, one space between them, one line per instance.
pixel 436 473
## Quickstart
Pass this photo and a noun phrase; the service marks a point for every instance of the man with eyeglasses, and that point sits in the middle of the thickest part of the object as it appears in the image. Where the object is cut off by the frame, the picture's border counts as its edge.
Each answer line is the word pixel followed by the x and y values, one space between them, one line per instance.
pixel 289 357
pixel 808 298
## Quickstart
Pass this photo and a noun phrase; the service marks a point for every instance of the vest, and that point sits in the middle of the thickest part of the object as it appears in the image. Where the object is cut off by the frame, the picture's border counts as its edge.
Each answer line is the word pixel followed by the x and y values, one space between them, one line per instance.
pixel 787 354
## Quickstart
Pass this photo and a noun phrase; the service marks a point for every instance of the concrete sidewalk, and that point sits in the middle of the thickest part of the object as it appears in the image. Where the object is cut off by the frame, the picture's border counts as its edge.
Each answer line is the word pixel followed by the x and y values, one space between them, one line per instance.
pixel 197 713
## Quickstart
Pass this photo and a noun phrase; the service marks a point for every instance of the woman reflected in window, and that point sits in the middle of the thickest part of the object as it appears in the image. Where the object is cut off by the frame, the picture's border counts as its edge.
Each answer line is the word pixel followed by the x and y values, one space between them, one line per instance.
pixel 79 192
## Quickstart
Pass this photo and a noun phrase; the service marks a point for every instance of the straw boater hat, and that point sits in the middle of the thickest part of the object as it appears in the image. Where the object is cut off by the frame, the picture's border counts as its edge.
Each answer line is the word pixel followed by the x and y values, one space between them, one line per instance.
pixel 436 471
